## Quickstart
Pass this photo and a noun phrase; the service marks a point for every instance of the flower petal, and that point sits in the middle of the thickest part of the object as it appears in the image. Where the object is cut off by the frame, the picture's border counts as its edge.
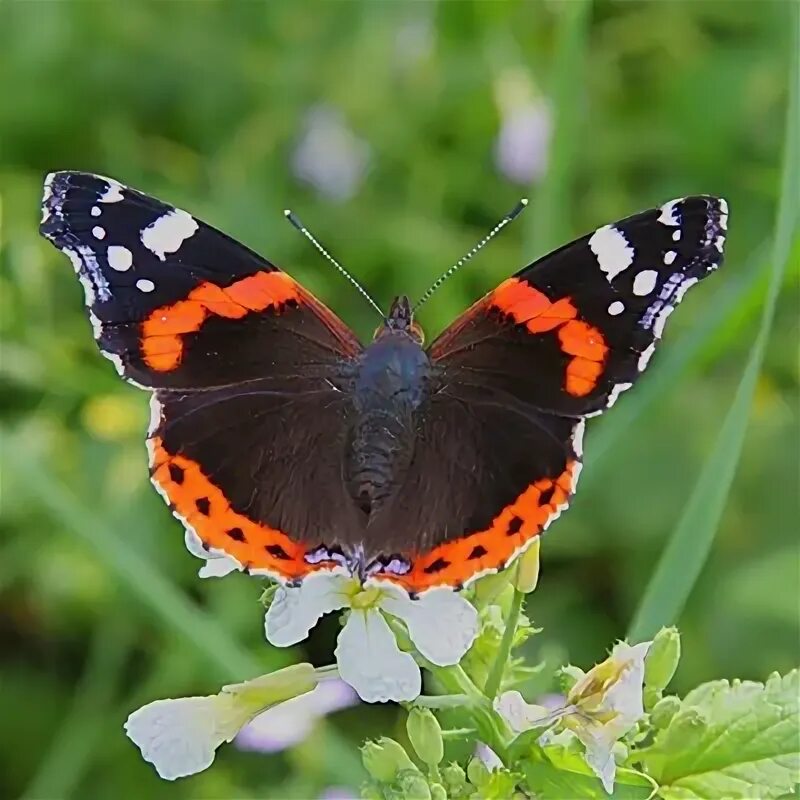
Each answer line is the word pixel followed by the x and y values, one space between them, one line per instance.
pixel 295 609
pixel 599 753
pixel 217 564
pixel 441 623
pixel 625 696
pixel 180 737
pixel 372 663
pixel 521 716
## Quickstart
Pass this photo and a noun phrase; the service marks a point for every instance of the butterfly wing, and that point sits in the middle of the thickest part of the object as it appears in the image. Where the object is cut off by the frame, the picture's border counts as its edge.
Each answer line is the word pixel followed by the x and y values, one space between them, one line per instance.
pixel 571 331
pixel 175 303
pixel 500 439
pixel 247 370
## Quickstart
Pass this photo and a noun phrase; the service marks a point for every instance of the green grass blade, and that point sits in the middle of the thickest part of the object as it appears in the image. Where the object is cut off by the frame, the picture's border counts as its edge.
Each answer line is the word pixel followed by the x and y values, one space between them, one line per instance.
pixel 549 215
pixel 691 541
pixel 229 659
pixel 75 742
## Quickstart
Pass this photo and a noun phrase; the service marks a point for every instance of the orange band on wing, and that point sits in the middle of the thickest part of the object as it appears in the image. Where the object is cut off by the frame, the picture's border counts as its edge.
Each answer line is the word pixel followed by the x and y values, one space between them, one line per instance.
pixel 204 507
pixel 162 331
pixel 456 562
pixel 578 339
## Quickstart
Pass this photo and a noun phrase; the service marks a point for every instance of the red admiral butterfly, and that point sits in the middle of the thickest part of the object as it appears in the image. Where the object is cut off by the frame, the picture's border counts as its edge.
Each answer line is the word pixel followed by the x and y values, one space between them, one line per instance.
pixel 280 441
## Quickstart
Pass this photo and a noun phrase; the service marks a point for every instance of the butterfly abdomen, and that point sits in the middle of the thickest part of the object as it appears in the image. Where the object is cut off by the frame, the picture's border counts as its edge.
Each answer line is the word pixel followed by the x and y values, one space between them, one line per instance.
pixel 391 383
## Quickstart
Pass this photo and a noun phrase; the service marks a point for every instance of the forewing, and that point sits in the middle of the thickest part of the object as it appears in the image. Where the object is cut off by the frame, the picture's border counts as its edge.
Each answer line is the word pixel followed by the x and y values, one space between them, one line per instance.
pixel 175 303
pixel 571 331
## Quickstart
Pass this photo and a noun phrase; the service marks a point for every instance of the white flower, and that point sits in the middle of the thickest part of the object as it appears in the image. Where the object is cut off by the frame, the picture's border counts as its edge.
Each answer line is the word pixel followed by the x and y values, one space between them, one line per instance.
pixel 441 624
pixel 180 737
pixel 600 708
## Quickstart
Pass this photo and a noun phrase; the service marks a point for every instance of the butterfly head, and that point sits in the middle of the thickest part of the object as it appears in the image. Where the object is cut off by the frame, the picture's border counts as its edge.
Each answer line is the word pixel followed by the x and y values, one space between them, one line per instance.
pixel 401 319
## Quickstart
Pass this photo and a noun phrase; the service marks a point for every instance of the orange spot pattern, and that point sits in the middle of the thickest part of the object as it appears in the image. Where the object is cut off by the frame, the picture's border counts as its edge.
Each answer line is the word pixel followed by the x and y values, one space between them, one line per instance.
pixel 205 508
pixel 576 338
pixel 456 562
pixel 162 331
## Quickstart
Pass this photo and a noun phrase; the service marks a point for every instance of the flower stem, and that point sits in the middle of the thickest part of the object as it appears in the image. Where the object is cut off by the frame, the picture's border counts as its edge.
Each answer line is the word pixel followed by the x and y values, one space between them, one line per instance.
pixel 496 675
pixel 444 701
pixel 458 733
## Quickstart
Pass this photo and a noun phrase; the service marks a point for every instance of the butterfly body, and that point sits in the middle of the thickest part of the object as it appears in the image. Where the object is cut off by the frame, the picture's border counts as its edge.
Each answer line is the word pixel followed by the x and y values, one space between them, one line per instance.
pixel 286 447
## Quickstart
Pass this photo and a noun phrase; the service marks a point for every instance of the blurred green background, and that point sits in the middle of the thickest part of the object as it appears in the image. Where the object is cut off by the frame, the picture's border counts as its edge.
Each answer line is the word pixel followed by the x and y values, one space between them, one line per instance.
pixel 400 132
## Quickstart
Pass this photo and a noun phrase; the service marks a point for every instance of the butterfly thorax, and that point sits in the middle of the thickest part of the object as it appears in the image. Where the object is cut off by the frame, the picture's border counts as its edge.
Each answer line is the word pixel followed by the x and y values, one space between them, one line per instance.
pixel 390 384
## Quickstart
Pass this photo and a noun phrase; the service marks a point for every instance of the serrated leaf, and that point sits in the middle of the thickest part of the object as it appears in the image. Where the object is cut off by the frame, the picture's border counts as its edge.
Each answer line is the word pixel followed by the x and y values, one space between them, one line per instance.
pixel 737 740
pixel 556 773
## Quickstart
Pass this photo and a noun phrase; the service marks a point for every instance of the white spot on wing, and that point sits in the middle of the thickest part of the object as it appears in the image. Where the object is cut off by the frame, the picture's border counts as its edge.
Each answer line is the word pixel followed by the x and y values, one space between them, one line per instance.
pixel 683 288
pixel 617 307
pixel 155 415
pixel 145 285
pixel 95 212
pixel 661 320
pixel 616 391
pixel 113 194
pixel 645 357
pixel 719 243
pixel 612 250
pixel 676 235
pixel 667 216
pixel 98 232
pixel 669 257
pixel 47 194
pixel 577 438
pixel 97 326
pixel 119 258
pixel 645 282
pixel 168 232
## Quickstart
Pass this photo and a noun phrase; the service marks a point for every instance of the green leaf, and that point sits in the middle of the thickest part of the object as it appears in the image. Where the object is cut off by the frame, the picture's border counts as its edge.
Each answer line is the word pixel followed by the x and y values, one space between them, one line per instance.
pixel 554 773
pixel 549 217
pixel 691 541
pixel 735 740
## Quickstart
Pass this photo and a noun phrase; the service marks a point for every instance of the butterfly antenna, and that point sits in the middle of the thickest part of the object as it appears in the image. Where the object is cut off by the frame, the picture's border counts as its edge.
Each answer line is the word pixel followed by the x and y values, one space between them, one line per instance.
pixel 294 219
pixel 510 217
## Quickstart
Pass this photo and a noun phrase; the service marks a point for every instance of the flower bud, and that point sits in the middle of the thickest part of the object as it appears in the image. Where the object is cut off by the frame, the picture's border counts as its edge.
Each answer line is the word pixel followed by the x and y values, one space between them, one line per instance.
pixel 384 759
pixel 370 791
pixel 664 710
pixel 662 659
pixel 425 735
pixel 477 773
pixel 685 727
pixel 275 687
pixel 527 575
pixel 438 792
pixel 568 676
pixel 455 778
pixel 413 785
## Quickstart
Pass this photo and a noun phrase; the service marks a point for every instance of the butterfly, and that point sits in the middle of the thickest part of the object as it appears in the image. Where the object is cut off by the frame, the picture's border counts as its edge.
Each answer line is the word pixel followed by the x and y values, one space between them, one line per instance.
pixel 288 447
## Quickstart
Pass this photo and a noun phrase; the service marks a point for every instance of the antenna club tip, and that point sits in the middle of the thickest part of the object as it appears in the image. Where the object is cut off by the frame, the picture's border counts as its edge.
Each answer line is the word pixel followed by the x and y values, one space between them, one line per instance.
pixel 524 201
pixel 287 212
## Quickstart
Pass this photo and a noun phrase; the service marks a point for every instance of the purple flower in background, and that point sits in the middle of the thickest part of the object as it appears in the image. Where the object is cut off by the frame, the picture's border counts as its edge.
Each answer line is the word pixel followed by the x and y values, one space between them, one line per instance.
pixel 523 143
pixel 329 156
pixel 289 723
pixel 338 793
